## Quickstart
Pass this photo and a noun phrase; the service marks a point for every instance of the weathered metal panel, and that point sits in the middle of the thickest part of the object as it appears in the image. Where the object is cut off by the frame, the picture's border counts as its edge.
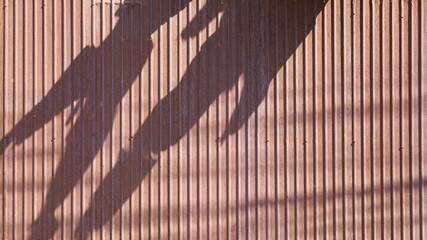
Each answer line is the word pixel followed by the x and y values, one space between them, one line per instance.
pixel 197 119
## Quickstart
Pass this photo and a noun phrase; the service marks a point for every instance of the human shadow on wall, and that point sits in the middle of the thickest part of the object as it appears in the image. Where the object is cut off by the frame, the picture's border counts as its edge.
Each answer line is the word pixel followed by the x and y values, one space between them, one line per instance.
pixel 178 111
pixel 181 109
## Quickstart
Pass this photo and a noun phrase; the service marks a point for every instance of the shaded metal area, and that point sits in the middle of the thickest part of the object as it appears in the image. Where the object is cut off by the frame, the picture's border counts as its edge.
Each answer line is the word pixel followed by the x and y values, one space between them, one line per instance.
pixel 213 119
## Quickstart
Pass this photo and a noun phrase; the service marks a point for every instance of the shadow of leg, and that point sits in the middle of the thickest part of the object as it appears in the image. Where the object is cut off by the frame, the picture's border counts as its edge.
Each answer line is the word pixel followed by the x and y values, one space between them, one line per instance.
pixel 113 191
pixel 69 172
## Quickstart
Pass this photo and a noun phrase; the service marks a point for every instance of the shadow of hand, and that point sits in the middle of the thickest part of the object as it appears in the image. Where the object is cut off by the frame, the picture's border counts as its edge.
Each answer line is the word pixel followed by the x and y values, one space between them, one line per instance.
pixel 202 19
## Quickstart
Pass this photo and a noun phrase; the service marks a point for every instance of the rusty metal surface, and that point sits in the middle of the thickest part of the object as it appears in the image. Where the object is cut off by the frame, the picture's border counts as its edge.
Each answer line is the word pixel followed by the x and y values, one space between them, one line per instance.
pixel 206 119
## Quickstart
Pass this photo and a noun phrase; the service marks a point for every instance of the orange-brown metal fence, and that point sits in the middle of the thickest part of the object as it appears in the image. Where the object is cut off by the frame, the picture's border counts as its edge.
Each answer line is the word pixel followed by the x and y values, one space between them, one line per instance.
pixel 213 119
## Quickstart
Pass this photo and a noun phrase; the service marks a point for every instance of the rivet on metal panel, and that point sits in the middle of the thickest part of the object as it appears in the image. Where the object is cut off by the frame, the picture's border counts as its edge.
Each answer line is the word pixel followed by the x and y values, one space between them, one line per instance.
pixel 352 143
pixel 53 139
pixel 267 141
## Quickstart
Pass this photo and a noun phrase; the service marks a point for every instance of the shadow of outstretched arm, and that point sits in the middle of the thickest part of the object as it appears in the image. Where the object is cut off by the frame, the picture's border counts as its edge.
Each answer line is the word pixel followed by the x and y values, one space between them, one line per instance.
pixel 259 75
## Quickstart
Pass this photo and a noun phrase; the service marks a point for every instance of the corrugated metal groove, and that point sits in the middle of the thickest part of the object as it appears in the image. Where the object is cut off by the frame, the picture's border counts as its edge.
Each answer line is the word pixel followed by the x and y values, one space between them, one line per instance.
pixel 206 119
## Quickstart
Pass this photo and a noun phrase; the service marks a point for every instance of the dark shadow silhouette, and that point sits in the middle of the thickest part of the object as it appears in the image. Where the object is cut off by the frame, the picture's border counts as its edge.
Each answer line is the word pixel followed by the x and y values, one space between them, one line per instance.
pixel 176 113
pixel 77 84
pixel 187 102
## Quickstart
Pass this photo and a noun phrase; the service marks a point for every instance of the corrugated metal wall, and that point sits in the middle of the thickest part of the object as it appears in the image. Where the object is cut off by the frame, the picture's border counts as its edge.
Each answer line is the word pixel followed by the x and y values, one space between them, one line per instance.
pixel 209 119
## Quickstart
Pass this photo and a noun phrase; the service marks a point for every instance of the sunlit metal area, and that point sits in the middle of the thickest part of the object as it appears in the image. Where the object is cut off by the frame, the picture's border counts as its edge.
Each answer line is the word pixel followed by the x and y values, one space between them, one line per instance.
pixel 213 119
